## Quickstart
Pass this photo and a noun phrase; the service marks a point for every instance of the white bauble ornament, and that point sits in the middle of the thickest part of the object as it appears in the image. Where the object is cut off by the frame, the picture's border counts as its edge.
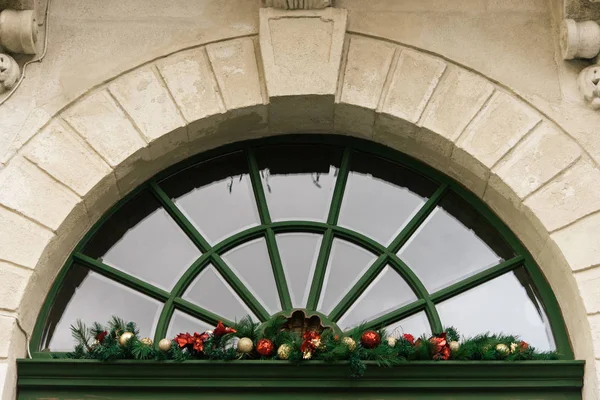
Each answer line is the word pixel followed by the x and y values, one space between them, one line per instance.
pixel 350 343
pixel 391 341
pixel 124 338
pixel 164 345
pixel 454 345
pixel 284 351
pixel 245 345
pixel 502 348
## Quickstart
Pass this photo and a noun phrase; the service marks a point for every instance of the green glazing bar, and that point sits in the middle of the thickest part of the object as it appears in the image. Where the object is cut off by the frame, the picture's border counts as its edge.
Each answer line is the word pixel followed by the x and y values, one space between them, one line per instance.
pixel 340 187
pixel 179 218
pixel 163 322
pixel 200 313
pixel 265 217
pixel 320 270
pixel 240 288
pixel 190 274
pixel 551 307
pixel 278 272
pixel 259 193
pixel 418 219
pixel 358 289
pixel 397 315
pixel 417 286
pixel 327 242
pixel 433 317
pixel 121 277
pixel 477 279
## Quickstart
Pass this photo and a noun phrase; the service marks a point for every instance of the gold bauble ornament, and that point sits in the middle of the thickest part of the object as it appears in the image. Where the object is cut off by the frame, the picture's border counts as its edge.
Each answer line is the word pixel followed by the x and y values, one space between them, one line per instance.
pixel 284 351
pixel 245 345
pixel 147 341
pixel 502 348
pixel 391 341
pixel 454 345
pixel 350 343
pixel 164 345
pixel 124 338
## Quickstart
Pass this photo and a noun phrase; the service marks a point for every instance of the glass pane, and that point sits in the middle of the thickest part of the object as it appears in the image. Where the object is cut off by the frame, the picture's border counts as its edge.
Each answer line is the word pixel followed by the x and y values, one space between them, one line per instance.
pixel 216 196
pixel 454 243
pixel 386 293
pixel 381 197
pixel 299 253
pixel 91 297
pixel 142 240
pixel 416 325
pixel 347 264
pixel 251 263
pixel 298 180
pixel 508 304
pixel 211 292
pixel 182 323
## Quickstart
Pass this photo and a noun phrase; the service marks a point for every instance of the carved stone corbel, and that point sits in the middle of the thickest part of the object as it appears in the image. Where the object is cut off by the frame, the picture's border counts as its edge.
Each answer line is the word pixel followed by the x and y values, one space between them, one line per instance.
pixel 9 73
pixel 18 31
pixel 589 85
pixel 298 4
pixel 579 39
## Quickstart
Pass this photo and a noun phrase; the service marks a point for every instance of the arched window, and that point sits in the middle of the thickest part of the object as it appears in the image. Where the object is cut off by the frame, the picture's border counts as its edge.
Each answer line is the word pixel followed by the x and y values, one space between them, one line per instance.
pixel 346 228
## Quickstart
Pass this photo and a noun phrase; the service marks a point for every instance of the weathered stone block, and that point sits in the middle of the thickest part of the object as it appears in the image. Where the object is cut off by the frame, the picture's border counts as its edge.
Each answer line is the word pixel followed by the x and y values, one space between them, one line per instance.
pixel 568 197
pixel 142 95
pixel 589 287
pixel 538 158
pixel 65 156
pixel 22 241
pixel 13 280
pixel 367 67
pixel 99 120
pixel 580 242
pixel 455 102
pixel 412 84
pixel 189 77
pixel 497 129
pixel 236 69
pixel 28 190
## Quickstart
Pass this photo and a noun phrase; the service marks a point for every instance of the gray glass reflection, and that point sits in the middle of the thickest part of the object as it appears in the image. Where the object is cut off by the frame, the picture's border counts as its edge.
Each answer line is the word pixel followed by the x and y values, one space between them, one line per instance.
pixel 93 298
pixel 508 304
pixel 183 323
pixel 251 263
pixel 454 243
pixel 347 264
pixel 386 293
pixel 216 196
pixel 298 180
pixel 142 240
pixel 381 197
pixel 299 253
pixel 416 325
pixel 211 292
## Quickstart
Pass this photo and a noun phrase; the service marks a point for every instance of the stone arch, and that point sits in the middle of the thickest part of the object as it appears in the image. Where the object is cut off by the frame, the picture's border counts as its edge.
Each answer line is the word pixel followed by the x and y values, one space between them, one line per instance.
pixel 82 160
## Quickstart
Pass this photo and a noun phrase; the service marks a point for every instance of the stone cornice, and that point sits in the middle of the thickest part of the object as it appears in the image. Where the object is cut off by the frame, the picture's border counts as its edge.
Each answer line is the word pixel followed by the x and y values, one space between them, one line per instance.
pixel 298 4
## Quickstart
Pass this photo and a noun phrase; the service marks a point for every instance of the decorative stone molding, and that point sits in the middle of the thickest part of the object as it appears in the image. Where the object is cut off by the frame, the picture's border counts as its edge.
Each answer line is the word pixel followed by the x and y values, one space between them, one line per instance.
pixel 18 31
pixel 298 4
pixel 9 73
pixel 589 85
pixel 579 39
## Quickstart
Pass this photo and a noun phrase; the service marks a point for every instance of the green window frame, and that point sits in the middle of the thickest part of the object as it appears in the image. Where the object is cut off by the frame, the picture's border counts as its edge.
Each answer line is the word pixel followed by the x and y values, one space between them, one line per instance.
pixel 386 255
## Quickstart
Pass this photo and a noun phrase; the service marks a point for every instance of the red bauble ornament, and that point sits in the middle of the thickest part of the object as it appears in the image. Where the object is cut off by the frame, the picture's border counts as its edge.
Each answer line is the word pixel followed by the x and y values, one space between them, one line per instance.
pixel 370 339
pixel 265 347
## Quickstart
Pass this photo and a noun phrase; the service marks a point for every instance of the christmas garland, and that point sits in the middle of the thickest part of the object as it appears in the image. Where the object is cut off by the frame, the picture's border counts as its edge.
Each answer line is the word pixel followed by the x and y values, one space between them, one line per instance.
pixel 248 340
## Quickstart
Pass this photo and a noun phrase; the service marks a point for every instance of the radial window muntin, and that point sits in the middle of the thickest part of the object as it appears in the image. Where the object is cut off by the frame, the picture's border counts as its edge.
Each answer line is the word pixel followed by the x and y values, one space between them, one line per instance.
pixel 385 256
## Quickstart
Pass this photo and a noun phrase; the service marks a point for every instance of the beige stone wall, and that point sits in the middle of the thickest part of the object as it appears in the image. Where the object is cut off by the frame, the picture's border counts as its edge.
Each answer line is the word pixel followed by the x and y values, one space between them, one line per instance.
pixel 472 88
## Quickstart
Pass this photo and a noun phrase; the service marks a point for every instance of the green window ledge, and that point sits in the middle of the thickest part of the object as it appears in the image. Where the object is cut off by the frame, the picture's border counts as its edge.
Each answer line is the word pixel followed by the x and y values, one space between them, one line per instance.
pixel 525 380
